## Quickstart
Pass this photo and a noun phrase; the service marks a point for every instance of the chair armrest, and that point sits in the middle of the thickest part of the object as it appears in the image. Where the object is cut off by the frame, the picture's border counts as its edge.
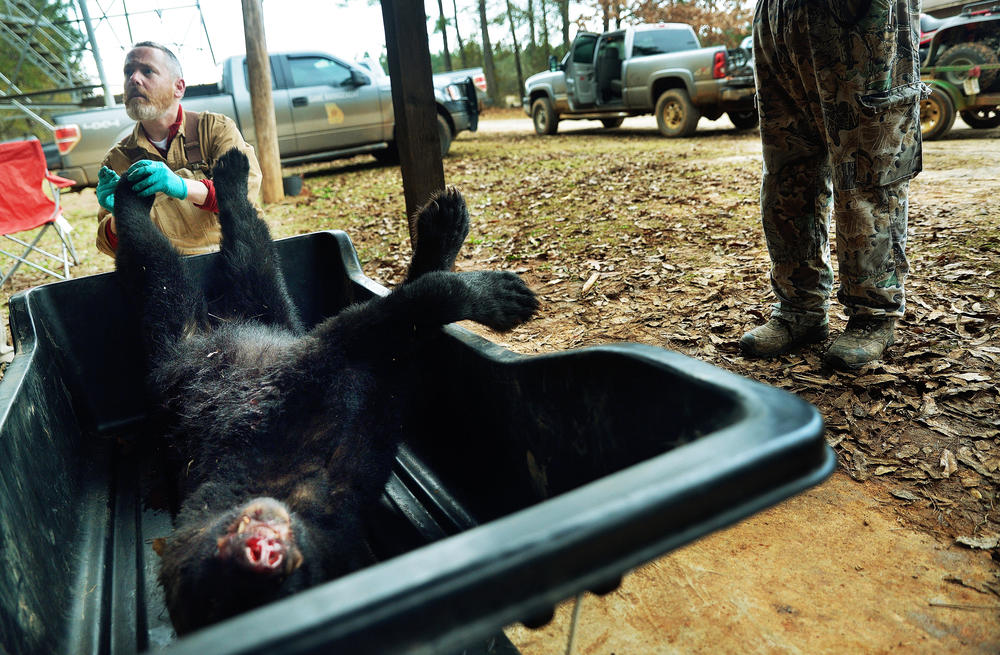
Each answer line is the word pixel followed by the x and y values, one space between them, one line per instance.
pixel 60 182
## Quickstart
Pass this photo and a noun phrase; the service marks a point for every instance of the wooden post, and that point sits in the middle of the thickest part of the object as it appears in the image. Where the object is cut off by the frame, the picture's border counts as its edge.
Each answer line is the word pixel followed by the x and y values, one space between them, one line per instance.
pixel 264 125
pixel 417 138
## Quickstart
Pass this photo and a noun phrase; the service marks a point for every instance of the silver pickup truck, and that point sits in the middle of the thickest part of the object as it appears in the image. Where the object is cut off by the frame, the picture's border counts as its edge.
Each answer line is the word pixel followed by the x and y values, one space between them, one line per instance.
pixel 656 69
pixel 324 108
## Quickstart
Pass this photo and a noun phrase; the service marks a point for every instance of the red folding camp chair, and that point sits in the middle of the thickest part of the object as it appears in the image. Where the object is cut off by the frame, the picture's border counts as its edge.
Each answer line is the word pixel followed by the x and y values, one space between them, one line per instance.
pixel 24 206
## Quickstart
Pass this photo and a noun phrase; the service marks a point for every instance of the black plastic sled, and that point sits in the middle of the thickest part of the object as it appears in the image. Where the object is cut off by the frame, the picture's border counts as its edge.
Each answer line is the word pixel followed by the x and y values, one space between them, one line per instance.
pixel 530 479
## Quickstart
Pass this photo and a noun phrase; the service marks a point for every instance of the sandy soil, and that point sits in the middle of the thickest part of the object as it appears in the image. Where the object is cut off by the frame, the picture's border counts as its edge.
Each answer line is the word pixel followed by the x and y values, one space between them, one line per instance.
pixel 829 571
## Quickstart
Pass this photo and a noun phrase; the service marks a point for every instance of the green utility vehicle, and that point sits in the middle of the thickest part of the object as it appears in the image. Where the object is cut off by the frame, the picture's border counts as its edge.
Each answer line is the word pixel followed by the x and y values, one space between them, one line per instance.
pixel 960 61
pixel 937 112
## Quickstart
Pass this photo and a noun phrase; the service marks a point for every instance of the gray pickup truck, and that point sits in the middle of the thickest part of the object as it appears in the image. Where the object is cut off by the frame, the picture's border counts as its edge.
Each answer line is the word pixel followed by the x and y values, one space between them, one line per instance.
pixel 656 69
pixel 324 108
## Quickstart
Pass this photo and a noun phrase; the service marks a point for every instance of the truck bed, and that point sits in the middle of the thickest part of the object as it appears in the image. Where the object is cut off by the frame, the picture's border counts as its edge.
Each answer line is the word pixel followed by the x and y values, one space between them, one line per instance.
pixel 527 480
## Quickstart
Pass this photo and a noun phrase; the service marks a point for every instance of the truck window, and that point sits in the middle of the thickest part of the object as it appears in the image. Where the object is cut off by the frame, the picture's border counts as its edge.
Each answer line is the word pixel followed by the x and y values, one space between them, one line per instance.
pixel 583 49
pixel 655 42
pixel 246 76
pixel 615 44
pixel 317 71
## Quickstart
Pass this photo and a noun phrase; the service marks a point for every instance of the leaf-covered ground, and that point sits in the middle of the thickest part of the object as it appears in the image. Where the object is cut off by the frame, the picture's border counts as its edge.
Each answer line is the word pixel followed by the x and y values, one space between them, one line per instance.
pixel 628 236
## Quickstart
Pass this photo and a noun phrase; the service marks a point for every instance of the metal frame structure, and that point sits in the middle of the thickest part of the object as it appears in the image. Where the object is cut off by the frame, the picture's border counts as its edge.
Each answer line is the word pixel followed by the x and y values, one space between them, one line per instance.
pixel 54 48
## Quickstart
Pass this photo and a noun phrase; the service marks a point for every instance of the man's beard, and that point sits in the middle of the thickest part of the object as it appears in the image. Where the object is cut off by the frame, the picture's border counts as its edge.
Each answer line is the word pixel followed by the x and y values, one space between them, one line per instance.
pixel 146 109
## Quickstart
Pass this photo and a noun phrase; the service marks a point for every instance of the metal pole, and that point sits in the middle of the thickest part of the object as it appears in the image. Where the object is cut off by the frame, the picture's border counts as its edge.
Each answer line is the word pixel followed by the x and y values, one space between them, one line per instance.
pixel 109 98
pixel 21 106
pixel 128 23
pixel 31 114
pixel 208 38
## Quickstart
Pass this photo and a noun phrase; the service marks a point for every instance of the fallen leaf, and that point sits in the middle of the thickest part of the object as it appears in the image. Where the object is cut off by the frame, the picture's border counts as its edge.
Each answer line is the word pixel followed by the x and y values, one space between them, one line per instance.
pixel 968 479
pixel 971 377
pixel 875 380
pixel 948 463
pixel 904 494
pixel 985 542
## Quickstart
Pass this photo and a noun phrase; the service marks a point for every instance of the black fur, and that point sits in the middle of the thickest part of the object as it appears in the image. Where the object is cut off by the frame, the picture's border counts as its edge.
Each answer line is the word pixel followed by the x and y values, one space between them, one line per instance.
pixel 290 433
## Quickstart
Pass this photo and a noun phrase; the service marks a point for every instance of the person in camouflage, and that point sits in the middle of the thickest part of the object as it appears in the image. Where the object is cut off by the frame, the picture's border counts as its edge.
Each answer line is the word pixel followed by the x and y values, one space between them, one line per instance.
pixel 838 90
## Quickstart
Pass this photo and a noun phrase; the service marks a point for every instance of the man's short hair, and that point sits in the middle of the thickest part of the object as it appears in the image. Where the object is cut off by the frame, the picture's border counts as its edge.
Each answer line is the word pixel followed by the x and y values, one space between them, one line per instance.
pixel 172 61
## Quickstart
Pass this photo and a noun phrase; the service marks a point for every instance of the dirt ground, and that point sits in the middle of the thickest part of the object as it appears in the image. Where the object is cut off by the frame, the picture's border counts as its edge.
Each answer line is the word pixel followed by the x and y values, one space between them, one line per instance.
pixel 832 570
pixel 865 565
pixel 630 237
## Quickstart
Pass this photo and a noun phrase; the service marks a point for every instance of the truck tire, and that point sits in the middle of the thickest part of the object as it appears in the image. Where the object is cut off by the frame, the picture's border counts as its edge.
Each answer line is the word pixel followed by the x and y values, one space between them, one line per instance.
pixel 544 116
pixel 982 118
pixel 390 155
pixel 937 114
pixel 444 134
pixel 612 123
pixel 676 115
pixel 744 120
pixel 969 54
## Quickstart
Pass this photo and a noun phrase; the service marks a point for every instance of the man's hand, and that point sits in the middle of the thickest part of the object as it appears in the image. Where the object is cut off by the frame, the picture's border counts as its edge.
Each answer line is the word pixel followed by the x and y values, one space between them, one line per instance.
pixel 107 182
pixel 150 177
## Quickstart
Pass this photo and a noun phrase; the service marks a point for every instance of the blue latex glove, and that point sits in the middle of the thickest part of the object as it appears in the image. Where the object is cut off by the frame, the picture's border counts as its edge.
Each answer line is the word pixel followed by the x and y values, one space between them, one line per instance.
pixel 107 182
pixel 150 177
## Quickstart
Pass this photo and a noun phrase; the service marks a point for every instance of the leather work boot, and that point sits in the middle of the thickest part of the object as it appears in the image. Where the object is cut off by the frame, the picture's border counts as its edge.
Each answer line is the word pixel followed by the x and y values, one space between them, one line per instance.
pixel 863 341
pixel 778 336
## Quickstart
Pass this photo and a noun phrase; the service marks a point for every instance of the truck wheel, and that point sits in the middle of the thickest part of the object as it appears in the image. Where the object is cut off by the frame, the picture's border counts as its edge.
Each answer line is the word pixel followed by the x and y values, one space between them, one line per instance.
pixel 969 55
pixel 612 123
pixel 675 114
pixel 937 114
pixel 744 120
pixel 444 133
pixel 388 156
pixel 544 116
pixel 982 118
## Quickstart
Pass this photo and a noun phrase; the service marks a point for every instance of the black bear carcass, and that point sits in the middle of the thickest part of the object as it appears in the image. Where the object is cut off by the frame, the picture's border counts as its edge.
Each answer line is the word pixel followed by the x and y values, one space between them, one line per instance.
pixel 284 439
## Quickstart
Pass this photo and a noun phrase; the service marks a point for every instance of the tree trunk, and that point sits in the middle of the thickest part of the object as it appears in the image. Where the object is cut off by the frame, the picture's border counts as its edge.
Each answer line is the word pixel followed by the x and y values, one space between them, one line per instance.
pixel 564 13
pixel 458 35
pixel 545 29
pixel 517 50
pixel 409 58
pixel 443 22
pixel 488 68
pixel 532 43
pixel 264 124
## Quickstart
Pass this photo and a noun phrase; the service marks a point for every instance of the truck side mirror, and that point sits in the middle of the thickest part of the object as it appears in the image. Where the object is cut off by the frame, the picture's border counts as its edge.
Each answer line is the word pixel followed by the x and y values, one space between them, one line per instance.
pixel 357 79
pixel 553 63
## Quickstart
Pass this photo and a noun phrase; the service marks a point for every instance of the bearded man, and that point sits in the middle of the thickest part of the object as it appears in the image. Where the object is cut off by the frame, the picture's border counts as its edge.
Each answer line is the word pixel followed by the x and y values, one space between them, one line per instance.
pixel 169 154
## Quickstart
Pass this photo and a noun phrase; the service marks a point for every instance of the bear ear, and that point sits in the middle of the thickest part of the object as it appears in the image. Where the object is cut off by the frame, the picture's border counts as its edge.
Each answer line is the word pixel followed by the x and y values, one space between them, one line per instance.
pixel 159 544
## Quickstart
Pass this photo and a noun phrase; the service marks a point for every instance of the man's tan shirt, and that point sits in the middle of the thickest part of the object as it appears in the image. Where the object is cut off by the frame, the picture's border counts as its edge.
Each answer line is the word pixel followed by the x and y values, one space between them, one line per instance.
pixel 190 229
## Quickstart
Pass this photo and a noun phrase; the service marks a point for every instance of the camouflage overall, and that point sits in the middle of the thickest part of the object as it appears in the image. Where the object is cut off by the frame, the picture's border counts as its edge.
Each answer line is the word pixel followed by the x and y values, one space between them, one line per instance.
pixel 838 88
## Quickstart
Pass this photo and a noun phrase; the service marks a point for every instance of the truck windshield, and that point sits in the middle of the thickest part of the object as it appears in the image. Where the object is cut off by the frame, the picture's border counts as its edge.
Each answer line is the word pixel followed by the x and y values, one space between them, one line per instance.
pixel 654 42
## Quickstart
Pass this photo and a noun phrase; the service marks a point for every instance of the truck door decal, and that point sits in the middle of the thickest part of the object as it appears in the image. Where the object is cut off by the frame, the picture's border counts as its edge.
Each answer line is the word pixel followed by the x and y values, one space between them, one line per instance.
pixel 334 114
pixel 338 112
